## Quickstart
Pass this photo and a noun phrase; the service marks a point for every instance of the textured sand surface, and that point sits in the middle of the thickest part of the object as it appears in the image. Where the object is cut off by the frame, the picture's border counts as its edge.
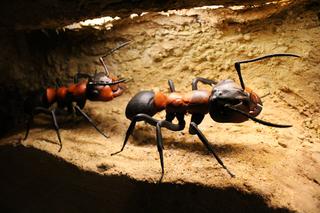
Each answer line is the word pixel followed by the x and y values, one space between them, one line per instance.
pixel 281 165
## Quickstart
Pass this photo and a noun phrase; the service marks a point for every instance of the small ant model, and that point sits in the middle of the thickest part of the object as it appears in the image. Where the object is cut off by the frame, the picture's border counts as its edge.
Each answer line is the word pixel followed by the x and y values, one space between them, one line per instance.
pixel 100 87
pixel 226 103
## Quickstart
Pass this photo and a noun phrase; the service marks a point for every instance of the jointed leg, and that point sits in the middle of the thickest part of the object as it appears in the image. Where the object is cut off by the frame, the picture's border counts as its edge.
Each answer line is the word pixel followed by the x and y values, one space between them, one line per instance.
pixel 90 120
pixel 135 119
pixel 160 148
pixel 174 127
pixel 54 121
pixel 202 80
pixel 208 146
pixel 28 124
pixel 197 119
pixel 55 124
pixel 158 124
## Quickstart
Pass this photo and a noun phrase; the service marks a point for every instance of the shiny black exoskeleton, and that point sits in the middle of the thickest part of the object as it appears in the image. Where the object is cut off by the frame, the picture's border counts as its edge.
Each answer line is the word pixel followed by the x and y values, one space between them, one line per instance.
pixel 72 98
pixel 226 102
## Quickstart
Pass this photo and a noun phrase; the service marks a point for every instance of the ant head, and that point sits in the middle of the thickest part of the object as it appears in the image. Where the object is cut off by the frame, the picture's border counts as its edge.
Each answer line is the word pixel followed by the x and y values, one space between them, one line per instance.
pixel 228 94
pixel 101 77
pixel 96 84
pixel 101 87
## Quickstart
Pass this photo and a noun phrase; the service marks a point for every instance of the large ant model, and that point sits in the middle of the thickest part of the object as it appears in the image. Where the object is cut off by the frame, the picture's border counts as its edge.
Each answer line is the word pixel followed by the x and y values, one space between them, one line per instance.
pixel 226 103
pixel 100 87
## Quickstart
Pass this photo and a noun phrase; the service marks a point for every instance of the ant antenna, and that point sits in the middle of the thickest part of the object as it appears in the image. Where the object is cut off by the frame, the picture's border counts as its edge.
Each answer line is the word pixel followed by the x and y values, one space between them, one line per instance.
pixel 115 49
pixel 257 119
pixel 109 53
pixel 104 66
pixel 237 64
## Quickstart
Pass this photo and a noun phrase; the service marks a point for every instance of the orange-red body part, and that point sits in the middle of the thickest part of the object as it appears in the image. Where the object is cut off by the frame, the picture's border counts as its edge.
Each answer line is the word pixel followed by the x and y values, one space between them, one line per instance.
pixel 61 94
pixel 51 95
pixel 256 103
pixel 77 92
pixel 105 93
pixel 189 102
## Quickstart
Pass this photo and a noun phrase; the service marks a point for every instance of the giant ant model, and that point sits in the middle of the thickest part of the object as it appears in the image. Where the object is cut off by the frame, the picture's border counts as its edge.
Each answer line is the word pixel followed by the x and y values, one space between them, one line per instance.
pixel 100 87
pixel 226 103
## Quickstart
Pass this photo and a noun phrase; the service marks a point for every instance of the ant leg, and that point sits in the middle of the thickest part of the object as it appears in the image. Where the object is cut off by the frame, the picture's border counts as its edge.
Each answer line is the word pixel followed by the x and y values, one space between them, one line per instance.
pixel 158 124
pixel 54 121
pixel 135 119
pixel 174 127
pixel 171 86
pixel 205 141
pixel 89 120
pixel 128 133
pixel 160 148
pixel 202 80
pixel 171 126
pixel 28 124
pixel 197 119
pixel 170 116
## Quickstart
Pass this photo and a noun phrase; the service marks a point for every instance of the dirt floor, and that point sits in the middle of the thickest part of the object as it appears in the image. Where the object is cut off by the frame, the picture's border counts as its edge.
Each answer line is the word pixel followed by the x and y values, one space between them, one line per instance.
pixel 278 166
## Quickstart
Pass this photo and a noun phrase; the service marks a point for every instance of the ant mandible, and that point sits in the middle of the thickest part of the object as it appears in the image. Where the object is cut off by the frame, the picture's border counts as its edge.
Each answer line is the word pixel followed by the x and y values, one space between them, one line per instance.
pixel 226 103
pixel 99 87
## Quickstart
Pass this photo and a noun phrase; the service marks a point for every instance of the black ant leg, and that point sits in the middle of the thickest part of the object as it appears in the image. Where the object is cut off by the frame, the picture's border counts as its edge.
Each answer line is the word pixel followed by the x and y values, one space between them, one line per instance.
pixel 174 127
pixel 205 141
pixel 197 119
pixel 28 124
pixel 54 121
pixel 135 119
pixel 89 120
pixel 160 147
pixel 238 69
pixel 202 80
pixel 171 86
pixel 158 124
pixel 128 133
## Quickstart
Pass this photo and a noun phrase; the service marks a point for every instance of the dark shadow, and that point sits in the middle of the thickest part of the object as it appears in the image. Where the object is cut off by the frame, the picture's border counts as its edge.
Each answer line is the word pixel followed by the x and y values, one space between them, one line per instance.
pixel 34 181
pixel 146 136
pixel 44 123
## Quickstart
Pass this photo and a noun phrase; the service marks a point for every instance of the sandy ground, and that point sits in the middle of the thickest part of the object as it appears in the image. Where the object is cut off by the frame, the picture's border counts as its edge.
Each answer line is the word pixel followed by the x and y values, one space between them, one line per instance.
pixel 281 165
